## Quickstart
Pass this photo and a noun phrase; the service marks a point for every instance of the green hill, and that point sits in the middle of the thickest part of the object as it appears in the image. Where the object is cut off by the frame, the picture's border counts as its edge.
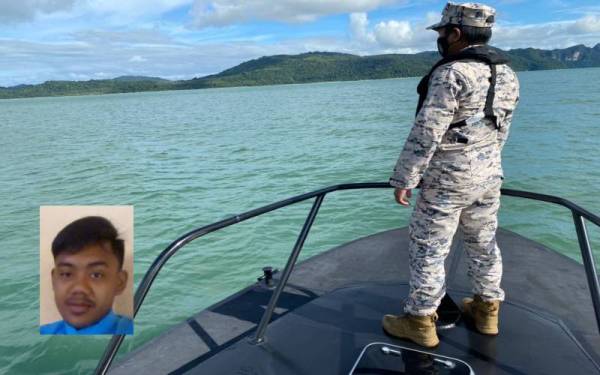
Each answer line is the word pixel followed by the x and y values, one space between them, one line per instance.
pixel 306 68
pixel 92 87
pixel 316 67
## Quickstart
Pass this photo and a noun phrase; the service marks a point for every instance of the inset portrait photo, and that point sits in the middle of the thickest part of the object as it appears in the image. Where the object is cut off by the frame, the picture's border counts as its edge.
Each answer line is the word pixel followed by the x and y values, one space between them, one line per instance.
pixel 86 270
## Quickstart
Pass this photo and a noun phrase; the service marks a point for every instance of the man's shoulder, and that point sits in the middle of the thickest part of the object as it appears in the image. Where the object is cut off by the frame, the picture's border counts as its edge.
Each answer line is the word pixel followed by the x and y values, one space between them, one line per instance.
pixel 471 67
pixel 111 324
pixel 124 325
pixel 54 328
pixel 505 69
pixel 472 71
pixel 454 74
pixel 465 68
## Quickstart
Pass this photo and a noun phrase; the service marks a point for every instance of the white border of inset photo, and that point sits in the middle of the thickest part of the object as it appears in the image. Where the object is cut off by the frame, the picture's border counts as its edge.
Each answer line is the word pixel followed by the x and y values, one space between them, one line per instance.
pixel 52 220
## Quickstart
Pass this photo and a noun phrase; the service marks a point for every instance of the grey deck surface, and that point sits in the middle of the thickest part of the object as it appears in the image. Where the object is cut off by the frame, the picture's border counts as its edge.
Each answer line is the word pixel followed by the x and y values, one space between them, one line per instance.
pixel 547 301
pixel 326 335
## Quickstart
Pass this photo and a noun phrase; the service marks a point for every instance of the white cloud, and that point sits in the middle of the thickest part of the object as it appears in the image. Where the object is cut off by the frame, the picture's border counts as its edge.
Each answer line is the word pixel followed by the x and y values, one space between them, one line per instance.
pixel 137 58
pixel 398 36
pixel 25 10
pixel 133 37
pixel 391 36
pixel 587 24
pixel 227 12
pixel 393 33
pixel 87 48
pixel 359 28
pixel 94 55
pixel 432 18
pixel 585 30
pixel 133 8
pixel 121 10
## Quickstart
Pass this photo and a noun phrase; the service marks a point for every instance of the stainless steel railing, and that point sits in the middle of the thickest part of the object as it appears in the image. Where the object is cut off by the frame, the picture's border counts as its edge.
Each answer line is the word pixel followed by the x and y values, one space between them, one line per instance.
pixel 579 214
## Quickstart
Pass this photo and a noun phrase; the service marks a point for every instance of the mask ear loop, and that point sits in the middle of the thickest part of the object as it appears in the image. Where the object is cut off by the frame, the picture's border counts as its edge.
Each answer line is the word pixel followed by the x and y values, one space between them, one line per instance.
pixel 443 46
pixel 442 42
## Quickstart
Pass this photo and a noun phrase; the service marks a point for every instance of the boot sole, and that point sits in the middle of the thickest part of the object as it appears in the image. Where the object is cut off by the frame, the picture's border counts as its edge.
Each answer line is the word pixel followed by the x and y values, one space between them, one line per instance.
pixel 469 317
pixel 428 345
pixel 487 333
pixel 467 314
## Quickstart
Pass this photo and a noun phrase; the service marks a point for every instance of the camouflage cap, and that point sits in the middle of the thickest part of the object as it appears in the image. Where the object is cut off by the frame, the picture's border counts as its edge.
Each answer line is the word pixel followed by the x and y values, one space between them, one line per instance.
pixel 468 14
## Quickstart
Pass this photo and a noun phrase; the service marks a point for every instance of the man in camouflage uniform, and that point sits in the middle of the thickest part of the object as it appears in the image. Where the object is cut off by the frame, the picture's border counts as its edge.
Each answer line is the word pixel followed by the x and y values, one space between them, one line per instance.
pixel 453 152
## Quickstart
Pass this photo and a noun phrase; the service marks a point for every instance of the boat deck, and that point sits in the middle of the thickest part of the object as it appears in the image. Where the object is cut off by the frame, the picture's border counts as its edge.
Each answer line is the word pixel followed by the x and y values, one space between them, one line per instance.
pixel 325 336
pixel 333 306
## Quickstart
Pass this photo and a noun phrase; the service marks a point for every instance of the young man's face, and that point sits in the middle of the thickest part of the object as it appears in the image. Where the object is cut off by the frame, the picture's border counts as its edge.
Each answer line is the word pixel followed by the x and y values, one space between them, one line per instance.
pixel 85 284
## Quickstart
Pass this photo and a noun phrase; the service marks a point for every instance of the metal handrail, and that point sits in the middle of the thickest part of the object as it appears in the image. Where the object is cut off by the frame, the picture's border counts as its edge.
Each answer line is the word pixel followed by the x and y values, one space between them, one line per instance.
pixel 578 212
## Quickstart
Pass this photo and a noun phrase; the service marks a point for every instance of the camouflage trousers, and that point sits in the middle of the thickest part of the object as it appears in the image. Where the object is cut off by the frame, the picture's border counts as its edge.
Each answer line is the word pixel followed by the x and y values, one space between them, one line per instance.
pixel 437 214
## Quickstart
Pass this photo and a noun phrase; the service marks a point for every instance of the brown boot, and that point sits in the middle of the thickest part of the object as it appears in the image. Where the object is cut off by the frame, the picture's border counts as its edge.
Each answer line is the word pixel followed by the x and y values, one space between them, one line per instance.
pixel 483 313
pixel 419 329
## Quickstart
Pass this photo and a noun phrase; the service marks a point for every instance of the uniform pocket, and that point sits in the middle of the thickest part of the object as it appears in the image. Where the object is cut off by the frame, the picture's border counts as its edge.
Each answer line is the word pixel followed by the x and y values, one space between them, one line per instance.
pixel 486 163
pixel 449 169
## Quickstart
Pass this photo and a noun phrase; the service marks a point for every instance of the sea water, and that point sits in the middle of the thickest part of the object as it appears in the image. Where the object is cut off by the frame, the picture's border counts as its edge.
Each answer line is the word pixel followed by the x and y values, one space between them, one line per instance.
pixel 185 159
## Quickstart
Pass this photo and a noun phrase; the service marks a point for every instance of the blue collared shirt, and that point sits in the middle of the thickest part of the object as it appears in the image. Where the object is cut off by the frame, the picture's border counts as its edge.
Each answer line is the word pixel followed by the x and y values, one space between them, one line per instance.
pixel 110 324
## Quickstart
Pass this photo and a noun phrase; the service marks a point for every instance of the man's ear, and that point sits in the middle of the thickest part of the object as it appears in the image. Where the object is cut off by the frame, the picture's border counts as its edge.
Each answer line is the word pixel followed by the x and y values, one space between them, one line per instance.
pixel 122 282
pixel 455 35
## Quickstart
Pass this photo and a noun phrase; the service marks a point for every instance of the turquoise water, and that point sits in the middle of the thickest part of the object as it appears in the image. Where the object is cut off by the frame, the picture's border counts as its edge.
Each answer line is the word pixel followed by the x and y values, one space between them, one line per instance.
pixel 188 158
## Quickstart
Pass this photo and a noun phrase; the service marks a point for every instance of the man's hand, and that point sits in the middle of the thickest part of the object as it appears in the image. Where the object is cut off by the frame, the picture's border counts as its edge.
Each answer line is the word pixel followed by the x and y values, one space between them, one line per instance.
pixel 401 196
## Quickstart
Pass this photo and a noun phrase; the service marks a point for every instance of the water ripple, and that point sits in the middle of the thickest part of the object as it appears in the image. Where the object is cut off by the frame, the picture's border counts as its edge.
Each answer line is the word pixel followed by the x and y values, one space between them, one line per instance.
pixel 186 159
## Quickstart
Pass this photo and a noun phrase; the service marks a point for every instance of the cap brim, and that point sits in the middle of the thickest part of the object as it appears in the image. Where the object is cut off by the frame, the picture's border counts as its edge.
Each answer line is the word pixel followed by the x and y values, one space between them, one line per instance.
pixel 436 26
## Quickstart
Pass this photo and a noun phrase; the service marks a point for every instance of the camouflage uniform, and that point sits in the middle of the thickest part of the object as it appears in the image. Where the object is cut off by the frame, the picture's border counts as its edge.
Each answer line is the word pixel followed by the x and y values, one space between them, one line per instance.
pixel 460 181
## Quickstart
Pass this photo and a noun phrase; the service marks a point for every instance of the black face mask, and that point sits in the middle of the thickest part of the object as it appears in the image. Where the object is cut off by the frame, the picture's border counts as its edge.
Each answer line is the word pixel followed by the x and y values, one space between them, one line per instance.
pixel 443 46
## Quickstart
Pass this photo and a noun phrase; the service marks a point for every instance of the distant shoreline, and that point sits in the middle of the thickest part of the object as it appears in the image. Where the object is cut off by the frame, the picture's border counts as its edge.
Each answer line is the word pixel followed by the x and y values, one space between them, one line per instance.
pixel 252 86
pixel 312 67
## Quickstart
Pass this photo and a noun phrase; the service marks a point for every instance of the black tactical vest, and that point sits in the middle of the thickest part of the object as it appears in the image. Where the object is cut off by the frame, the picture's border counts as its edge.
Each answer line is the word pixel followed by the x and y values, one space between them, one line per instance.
pixel 486 54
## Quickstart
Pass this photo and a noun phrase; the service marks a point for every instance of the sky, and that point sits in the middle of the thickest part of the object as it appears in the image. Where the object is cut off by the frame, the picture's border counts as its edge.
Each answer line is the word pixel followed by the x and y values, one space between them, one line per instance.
pixel 43 40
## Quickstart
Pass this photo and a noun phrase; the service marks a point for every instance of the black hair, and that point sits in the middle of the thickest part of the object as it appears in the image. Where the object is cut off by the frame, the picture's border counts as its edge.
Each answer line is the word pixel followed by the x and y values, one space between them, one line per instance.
pixel 90 230
pixel 471 34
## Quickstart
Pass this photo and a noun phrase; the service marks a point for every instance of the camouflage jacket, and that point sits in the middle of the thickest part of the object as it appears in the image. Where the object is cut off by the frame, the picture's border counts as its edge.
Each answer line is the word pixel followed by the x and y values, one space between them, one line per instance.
pixel 457 91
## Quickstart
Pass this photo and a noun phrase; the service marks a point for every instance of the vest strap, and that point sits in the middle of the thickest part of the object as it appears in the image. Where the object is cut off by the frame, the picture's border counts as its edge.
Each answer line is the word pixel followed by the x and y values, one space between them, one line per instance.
pixel 485 54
